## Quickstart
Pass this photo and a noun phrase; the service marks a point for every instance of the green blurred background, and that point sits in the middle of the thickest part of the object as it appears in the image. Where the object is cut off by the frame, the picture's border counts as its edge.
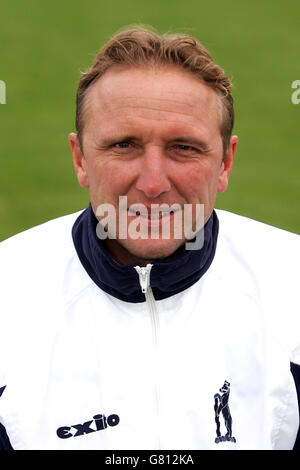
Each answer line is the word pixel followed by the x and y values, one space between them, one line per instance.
pixel 44 46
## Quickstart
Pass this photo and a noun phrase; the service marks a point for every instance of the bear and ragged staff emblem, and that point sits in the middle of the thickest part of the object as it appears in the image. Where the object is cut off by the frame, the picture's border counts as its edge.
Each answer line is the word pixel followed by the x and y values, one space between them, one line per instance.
pixel 221 407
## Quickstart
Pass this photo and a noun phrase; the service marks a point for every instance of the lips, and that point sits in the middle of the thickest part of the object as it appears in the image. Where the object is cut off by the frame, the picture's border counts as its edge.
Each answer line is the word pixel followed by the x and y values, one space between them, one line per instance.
pixel 154 218
pixel 153 211
pixel 151 214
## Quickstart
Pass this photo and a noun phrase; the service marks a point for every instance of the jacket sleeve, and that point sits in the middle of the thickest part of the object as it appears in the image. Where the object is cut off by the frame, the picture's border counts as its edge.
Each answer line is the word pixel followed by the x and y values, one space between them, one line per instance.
pixel 4 440
pixel 295 369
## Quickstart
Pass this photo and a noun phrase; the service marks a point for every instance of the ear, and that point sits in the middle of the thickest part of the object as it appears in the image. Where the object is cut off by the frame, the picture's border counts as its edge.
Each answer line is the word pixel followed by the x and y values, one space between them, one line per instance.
pixel 78 161
pixel 227 164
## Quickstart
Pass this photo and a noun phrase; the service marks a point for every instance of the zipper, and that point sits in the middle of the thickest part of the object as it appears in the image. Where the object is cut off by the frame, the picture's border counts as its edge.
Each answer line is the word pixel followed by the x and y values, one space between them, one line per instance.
pixel 144 278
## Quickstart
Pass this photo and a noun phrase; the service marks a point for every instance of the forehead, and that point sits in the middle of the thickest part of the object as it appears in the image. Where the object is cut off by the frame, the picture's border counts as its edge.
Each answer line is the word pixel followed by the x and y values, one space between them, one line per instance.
pixel 168 94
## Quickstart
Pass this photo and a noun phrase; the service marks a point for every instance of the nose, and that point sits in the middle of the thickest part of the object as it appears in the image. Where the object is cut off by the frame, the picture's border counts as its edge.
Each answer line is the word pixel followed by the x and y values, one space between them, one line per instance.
pixel 153 178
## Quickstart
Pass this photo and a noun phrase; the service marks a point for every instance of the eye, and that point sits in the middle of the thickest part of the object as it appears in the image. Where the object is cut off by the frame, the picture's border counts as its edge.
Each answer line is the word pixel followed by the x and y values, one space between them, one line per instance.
pixel 125 148
pixel 122 145
pixel 184 150
pixel 185 147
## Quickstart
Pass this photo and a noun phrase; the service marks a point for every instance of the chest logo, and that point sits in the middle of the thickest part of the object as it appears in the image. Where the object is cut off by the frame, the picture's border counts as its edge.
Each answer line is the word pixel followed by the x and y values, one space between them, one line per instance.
pixel 221 407
pixel 98 423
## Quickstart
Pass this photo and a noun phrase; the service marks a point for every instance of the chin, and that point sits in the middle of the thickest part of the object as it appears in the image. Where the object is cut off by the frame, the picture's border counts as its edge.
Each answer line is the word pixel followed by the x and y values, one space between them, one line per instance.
pixel 152 249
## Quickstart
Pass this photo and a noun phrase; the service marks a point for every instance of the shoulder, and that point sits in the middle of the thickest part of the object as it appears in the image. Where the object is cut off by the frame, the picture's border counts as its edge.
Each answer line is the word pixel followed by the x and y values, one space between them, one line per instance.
pixel 235 224
pixel 39 255
pixel 40 274
pixel 38 251
pixel 34 238
pixel 263 262
pixel 39 247
pixel 36 264
pixel 269 252
pixel 258 241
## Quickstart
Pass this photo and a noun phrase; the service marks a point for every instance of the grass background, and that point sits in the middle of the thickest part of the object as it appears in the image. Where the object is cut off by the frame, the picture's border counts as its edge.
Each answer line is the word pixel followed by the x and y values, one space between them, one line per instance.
pixel 45 45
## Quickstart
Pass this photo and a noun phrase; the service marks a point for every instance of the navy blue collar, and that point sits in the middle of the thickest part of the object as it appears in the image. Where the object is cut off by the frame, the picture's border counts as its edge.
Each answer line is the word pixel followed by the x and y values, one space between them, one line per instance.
pixel 122 281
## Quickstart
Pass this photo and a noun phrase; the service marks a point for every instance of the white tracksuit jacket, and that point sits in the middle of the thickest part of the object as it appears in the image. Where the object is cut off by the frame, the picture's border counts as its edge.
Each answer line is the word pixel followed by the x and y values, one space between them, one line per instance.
pixel 85 370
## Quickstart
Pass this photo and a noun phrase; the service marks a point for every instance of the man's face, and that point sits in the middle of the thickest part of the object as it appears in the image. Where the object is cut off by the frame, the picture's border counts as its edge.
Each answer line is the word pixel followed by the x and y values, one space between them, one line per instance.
pixel 152 135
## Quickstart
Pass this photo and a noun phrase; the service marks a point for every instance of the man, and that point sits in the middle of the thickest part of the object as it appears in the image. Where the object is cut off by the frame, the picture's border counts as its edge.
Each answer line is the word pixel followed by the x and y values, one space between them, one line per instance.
pixel 115 336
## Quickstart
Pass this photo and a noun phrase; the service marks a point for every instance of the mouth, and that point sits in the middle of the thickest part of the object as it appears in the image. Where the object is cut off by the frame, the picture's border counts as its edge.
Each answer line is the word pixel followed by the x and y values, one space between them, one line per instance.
pixel 151 215
pixel 152 218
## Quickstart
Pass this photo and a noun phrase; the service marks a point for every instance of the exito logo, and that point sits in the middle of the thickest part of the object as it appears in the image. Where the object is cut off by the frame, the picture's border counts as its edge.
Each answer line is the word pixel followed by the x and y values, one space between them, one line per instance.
pixel 2 92
pixel 296 94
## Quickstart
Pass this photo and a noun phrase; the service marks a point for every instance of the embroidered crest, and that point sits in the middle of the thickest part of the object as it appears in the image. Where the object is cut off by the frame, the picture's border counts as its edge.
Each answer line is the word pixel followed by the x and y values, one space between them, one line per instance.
pixel 221 407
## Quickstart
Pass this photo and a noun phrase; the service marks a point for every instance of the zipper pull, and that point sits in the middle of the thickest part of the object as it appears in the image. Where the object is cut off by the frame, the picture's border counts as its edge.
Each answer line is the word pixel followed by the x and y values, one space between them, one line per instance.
pixel 144 276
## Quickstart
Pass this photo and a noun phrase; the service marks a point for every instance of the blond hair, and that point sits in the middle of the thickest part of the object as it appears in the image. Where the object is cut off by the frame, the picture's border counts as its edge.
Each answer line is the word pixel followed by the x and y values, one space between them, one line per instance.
pixel 142 47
